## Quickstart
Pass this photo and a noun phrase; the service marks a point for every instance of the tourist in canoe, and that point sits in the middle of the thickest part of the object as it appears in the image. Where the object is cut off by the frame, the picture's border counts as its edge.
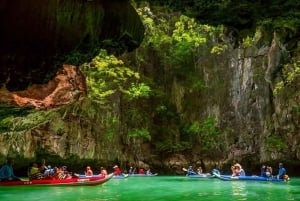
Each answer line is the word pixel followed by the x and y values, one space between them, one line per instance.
pixel 88 171
pixel 148 172
pixel 34 172
pixel 7 172
pixel 237 170
pixel 190 171
pixel 281 171
pixel 141 171
pixel 68 175
pixel 268 171
pixel 103 171
pixel 131 170
pixel 117 170
pixel 43 166
pixel 199 170
pixel 263 170
pixel 49 172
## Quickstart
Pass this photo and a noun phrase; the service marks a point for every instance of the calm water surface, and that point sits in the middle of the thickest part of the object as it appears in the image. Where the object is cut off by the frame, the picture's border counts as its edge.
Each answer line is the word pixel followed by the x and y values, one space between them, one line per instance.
pixel 166 188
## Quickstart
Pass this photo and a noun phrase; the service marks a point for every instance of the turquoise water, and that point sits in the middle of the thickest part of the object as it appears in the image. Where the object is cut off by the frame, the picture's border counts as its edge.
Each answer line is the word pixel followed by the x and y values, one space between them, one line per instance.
pixel 166 188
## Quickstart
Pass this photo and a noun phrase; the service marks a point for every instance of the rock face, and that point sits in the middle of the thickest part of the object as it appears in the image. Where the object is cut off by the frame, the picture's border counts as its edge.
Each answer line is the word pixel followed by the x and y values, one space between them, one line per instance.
pixel 37 37
pixel 67 84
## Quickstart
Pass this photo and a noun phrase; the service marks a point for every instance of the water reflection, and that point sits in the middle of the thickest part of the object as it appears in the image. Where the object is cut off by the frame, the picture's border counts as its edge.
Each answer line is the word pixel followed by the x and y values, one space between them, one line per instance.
pixel 239 190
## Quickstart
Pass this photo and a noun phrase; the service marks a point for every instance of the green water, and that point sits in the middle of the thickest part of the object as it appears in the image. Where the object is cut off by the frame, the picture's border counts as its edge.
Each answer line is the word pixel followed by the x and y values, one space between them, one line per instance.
pixel 166 188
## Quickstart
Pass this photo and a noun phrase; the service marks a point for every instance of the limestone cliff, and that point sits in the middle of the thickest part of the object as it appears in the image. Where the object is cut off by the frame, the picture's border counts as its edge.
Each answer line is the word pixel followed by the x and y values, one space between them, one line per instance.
pixel 236 86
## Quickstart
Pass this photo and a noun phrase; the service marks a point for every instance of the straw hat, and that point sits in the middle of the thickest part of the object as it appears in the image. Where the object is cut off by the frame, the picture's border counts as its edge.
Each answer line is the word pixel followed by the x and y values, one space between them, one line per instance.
pixel 238 165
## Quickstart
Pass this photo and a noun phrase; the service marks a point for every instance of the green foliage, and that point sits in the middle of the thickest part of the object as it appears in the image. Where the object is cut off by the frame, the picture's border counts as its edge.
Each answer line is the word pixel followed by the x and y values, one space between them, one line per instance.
pixel 110 124
pixel 23 121
pixel 178 43
pixel 58 126
pixel 168 146
pixel 239 14
pixel 139 90
pixel 188 31
pixel 218 49
pixel 106 76
pixel 289 23
pixel 206 133
pixel 249 40
pixel 275 144
pixel 291 75
pixel 195 83
pixel 139 133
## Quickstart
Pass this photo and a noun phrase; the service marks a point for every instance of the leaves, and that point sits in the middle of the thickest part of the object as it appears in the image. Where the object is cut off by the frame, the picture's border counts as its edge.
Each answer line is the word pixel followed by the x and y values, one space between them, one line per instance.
pixel 140 133
pixel 106 75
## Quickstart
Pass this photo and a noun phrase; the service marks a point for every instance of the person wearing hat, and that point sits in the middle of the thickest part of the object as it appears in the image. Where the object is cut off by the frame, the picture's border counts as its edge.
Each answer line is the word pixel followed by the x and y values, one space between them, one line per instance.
pixel 117 170
pixel 281 171
pixel 131 170
pixel 237 170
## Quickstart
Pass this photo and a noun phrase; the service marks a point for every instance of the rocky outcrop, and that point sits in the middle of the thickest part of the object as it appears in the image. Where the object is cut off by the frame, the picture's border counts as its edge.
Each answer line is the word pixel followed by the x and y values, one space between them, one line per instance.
pixel 38 37
pixel 68 84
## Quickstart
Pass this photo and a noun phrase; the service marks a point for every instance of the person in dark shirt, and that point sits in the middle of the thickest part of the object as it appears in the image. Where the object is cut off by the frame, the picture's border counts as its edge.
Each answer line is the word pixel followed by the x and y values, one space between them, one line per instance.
pixel 263 171
pixel 7 172
pixel 190 171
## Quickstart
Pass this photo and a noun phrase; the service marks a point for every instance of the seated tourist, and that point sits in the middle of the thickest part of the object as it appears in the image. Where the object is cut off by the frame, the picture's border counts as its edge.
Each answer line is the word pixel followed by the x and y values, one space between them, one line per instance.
pixel 237 170
pixel 7 172
pixel 281 171
pixel 199 170
pixel 141 171
pixel 59 173
pixel 49 172
pixel 34 172
pixel 88 171
pixel 43 166
pixel 117 170
pixel 103 171
pixel 190 171
pixel 148 172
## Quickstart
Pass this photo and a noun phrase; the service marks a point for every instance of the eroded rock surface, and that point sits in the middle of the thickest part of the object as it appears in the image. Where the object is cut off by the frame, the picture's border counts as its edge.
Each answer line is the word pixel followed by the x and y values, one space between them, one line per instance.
pixel 68 84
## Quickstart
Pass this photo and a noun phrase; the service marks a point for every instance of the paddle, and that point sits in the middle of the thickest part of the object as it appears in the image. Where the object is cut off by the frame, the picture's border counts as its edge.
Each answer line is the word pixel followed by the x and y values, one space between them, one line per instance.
pixel 184 169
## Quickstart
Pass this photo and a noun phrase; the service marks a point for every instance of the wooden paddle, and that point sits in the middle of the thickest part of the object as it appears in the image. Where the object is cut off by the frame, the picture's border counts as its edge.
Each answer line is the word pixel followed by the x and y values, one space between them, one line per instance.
pixel 184 169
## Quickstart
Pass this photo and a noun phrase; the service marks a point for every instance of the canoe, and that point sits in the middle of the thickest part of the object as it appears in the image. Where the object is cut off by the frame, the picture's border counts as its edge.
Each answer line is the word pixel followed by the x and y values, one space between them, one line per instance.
pixel 200 175
pixel 196 175
pixel 247 178
pixel 142 175
pixel 121 176
pixel 78 181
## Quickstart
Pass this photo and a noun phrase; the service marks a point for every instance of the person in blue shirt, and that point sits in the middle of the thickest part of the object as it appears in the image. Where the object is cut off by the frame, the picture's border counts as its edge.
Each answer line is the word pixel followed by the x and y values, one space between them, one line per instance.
pixel 281 171
pixel 190 171
pixel 7 172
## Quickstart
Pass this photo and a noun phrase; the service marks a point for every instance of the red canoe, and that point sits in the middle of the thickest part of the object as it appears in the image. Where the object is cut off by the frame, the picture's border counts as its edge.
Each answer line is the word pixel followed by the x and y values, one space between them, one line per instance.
pixel 87 181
